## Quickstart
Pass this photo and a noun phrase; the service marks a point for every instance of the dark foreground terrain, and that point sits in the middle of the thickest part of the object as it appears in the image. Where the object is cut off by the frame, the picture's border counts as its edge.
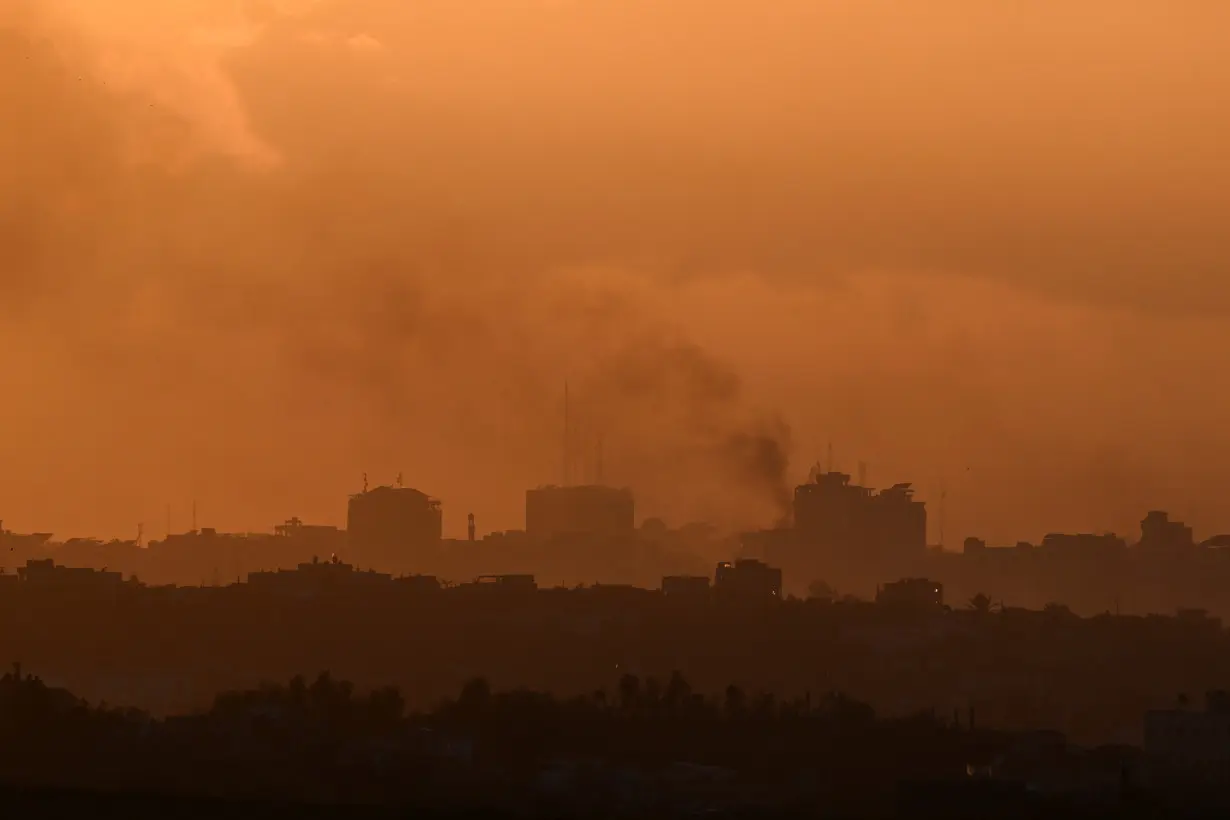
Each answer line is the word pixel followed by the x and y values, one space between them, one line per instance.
pixel 31 802
pixel 644 749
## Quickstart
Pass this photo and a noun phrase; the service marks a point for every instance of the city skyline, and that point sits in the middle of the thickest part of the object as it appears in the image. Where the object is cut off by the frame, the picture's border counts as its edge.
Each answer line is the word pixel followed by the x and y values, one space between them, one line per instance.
pixel 614 408
pixel 190 516
pixel 262 253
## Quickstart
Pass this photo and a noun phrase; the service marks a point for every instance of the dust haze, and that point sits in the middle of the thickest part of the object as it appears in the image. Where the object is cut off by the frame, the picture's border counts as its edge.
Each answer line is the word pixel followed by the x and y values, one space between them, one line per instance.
pixel 249 251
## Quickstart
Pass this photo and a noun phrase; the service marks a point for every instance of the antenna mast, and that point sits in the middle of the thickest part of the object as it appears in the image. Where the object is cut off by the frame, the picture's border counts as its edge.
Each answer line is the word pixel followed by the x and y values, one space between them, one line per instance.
pixel 567 438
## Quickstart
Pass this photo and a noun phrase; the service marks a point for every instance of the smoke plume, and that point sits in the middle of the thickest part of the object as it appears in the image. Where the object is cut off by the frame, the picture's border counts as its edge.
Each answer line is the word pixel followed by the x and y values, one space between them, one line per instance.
pixel 251 251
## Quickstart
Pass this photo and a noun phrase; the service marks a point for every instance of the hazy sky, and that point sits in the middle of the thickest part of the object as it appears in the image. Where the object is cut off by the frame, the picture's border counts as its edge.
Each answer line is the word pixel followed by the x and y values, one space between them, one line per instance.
pixel 251 250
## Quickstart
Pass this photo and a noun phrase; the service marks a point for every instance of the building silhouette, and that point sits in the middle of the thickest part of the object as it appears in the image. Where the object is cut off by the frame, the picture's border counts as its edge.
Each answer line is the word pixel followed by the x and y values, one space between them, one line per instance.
pixel 387 526
pixel 844 520
pixel 685 587
pixel 1157 531
pixel 507 584
pixel 747 580
pixel 848 534
pixel 844 538
pixel 553 512
pixel 316 578
pixel 1087 545
pixel 912 593
pixel 46 572
pixel 321 538
pixel 1186 743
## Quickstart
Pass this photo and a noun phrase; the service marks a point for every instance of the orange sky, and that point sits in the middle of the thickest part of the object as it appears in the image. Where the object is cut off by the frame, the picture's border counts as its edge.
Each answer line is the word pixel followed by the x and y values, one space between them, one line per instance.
pixel 249 251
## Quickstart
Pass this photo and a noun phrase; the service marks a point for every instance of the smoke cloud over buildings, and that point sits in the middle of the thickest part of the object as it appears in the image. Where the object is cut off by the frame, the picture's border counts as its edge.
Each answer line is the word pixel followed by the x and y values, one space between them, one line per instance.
pixel 250 251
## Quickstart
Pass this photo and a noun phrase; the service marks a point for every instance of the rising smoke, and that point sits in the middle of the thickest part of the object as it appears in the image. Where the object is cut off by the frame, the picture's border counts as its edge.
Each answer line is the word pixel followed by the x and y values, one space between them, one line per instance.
pixel 346 277
pixel 250 251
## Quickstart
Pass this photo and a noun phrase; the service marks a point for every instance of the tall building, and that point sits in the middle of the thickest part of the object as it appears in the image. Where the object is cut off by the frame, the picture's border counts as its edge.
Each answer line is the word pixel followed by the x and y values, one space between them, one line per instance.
pixel 831 514
pixel 385 526
pixel 838 518
pixel 852 535
pixel 553 512
pixel 1157 531
pixel 899 522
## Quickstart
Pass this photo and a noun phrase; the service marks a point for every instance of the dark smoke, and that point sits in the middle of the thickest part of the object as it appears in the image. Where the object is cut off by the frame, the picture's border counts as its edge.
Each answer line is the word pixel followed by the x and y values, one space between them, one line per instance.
pixel 470 215
pixel 682 425
pixel 762 462
pixel 341 287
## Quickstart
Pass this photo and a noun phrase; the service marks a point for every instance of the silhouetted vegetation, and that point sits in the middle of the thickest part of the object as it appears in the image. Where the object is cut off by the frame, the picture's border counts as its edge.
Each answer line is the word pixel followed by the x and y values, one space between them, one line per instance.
pixel 649 745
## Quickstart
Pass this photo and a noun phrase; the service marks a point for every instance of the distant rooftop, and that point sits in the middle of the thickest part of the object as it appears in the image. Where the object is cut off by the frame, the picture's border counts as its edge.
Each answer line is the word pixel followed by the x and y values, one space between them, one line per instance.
pixel 583 488
pixel 388 488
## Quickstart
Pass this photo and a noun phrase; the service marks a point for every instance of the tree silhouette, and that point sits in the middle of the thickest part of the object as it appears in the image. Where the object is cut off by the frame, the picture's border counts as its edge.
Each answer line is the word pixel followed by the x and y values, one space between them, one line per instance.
pixel 678 692
pixel 980 603
pixel 475 697
pixel 767 706
pixel 652 695
pixel 386 706
pixel 629 692
pixel 821 591
pixel 736 701
pixel 297 691
pixel 845 710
